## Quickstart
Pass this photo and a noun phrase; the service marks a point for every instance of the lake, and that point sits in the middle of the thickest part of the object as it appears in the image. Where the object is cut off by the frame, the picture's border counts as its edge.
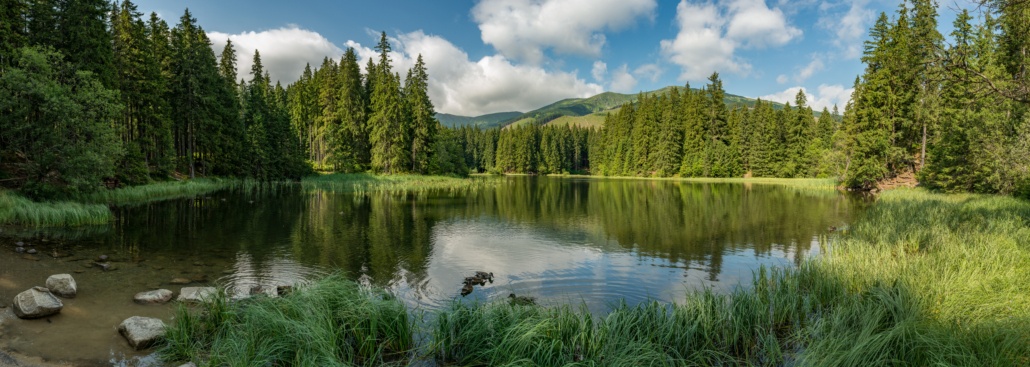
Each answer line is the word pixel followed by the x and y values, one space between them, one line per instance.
pixel 583 241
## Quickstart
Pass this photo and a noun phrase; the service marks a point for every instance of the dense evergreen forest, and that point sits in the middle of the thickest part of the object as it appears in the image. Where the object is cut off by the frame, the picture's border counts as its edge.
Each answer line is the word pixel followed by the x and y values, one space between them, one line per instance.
pixel 91 93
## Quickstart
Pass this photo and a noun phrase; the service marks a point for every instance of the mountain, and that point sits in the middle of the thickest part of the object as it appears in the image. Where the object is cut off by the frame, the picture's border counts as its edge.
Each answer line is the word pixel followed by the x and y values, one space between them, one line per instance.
pixel 590 112
pixel 484 121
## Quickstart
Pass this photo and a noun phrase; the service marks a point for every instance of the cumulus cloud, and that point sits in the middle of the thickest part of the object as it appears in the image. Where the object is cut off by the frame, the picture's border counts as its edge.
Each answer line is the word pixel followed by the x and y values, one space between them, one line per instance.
pixel 710 34
pixel 458 85
pixel 754 24
pixel 623 81
pixel 826 96
pixel 782 79
pixel 284 51
pixel 599 71
pixel 848 27
pixel 524 29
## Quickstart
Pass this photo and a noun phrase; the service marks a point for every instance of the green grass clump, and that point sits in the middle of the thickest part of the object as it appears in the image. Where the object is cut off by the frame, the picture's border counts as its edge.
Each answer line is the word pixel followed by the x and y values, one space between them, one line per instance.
pixel 18 210
pixel 333 322
pixel 398 183
pixel 157 191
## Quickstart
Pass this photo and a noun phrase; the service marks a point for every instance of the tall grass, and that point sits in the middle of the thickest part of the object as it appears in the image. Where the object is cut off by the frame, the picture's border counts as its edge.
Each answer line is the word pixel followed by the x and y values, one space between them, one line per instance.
pixel 333 322
pixel 18 210
pixel 399 183
pixel 158 191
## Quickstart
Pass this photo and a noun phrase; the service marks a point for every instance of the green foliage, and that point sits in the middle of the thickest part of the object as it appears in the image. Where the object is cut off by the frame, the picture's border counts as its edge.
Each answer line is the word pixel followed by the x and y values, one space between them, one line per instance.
pixel 56 135
pixel 333 322
pixel 18 210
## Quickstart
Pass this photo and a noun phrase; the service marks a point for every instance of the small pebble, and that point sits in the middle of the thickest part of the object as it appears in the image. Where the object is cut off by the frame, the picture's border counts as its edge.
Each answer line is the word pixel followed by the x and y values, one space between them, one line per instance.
pixel 32 251
pixel 102 257
pixel 19 249
pixel 19 244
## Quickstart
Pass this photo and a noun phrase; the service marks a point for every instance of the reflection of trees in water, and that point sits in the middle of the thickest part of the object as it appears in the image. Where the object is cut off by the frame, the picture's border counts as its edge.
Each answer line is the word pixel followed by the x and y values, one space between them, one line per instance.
pixel 693 223
pixel 378 235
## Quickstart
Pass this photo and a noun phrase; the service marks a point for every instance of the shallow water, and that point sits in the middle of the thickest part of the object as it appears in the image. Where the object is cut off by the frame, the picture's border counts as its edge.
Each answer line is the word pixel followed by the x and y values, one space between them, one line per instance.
pixel 561 240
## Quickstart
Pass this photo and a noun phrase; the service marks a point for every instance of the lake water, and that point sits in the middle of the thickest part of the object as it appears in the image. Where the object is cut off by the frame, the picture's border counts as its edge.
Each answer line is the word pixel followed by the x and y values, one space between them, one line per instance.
pixel 561 240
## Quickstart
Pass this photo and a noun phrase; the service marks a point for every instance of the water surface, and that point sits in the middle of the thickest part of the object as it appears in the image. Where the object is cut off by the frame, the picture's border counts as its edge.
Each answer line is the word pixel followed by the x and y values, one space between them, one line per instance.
pixel 561 240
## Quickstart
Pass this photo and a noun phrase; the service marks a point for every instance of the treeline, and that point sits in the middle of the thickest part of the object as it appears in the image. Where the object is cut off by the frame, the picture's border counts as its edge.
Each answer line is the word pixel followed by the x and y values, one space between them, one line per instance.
pixel 952 115
pixel 93 94
pixel 684 132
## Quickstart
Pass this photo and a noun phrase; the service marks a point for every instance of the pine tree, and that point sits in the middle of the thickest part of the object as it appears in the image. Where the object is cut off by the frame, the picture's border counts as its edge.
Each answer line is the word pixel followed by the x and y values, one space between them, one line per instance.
pixel 422 116
pixel 385 122
pixel 13 27
pixel 84 37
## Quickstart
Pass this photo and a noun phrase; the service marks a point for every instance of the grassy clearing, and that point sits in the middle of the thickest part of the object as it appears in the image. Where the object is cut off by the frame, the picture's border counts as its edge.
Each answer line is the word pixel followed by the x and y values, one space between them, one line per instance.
pixel 158 191
pixel 921 280
pixel 401 183
pixel 332 322
pixel 17 210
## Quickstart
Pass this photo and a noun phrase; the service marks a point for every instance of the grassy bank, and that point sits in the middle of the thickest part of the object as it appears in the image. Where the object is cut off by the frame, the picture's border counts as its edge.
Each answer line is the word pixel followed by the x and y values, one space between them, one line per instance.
pixel 17 210
pixel 93 209
pixel 920 280
pixel 363 182
pixel 804 183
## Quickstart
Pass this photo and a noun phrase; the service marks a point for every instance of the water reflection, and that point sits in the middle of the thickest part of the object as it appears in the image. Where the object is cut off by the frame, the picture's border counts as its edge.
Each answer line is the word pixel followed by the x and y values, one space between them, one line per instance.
pixel 561 240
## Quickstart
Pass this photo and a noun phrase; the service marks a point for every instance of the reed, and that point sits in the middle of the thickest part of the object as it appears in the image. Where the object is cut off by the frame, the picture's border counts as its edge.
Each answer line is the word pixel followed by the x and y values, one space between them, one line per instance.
pixel 332 322
pixel 398 183
pixel 158 191
pixel 20 211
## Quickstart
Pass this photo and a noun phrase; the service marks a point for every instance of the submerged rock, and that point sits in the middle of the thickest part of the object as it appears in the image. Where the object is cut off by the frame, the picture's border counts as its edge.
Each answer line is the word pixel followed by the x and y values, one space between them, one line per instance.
pixel 32 251
pixel 153 297
pixel 35 303
pixel 62 285
pixel 142 332
pixel 196 294
pixel 19 249
pixel 180 281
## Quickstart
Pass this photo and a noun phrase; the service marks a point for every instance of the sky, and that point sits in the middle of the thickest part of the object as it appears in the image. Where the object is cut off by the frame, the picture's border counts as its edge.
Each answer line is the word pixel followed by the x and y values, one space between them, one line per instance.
pixel 487 56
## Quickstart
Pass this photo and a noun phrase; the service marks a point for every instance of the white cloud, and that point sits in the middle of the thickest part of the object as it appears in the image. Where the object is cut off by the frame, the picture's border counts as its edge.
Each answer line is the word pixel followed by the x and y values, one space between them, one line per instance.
pixel 600 70
pixel 623 81
pixel 523 29
pixel 649 71
pixel 461 86
pixel 709 36
pixel 813 67
pixel 284 51
pixel 755 25
pixel 782 79
pixel 848 27
pixel 826 96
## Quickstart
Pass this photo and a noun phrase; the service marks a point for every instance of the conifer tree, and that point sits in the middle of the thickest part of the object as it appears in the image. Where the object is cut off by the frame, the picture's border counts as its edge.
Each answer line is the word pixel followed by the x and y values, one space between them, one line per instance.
pixel 423 123
pixel 387 134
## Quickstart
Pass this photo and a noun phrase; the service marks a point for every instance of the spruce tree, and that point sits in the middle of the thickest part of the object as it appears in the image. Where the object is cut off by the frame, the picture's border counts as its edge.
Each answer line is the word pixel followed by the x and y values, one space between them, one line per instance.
pixel 422 116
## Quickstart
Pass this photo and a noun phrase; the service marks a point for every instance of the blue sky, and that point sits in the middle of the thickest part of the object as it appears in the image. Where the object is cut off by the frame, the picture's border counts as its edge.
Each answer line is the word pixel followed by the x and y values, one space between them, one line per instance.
pixel 488 56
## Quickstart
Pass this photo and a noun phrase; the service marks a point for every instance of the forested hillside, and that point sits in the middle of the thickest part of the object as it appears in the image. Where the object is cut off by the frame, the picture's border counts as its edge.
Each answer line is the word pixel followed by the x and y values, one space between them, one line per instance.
pixel 94 95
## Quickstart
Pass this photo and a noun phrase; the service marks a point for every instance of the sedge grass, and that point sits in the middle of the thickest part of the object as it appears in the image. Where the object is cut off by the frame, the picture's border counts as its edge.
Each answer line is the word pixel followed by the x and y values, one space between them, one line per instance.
pixel 332 322
pixel 158 191
pixel 20 211
pixel 397 183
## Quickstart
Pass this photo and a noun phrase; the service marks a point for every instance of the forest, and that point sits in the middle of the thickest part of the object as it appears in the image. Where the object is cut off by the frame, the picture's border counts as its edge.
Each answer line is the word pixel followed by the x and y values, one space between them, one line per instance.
pixel 93 95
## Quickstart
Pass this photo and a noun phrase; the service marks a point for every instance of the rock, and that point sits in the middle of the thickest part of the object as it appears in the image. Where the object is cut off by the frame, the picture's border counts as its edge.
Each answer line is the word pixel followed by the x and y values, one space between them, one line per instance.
pixel 153 297
pixel 102 258
pixel 103 266
pixel 196 294
pixel 180 281
pixel 142 332
pixel 35 303
pixel 19 244
pixel 19 249
pixel 32 251
pixel 62 285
